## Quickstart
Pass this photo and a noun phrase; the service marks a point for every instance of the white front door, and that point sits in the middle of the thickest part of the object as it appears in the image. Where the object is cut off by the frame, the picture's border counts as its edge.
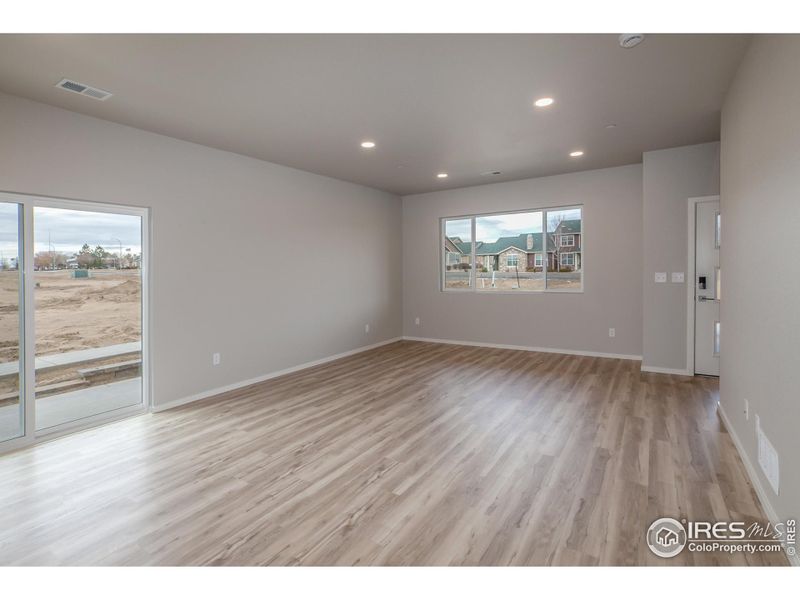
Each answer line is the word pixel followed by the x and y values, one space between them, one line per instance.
pixel 707 289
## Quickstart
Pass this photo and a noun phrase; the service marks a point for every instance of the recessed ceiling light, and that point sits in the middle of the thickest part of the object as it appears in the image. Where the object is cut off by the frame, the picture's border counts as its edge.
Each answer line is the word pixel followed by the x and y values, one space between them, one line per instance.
pixel 542 102
pixel 629 40
pixel 576 153
pixel 441 175
pixel 367 144
pixel 611 126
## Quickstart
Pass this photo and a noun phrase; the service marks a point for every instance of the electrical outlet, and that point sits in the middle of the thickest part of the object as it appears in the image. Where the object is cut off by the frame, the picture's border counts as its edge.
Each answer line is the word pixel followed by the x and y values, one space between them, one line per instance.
pixel 661 278
pixel 677 277
pixel 746 409
pixel 612 332
pixel 366 328
pixel 416 321
pixel 216 358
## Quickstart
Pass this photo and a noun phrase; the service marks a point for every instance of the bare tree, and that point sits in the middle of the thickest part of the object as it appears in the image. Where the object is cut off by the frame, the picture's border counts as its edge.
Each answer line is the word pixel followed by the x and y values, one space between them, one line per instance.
pixel 554 220
pixel 49 260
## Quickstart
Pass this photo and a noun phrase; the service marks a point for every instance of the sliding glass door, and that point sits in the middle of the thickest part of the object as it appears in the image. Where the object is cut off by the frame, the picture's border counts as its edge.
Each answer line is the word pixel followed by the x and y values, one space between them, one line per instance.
pixel 88 292
pixel 12 405
pixel 73 295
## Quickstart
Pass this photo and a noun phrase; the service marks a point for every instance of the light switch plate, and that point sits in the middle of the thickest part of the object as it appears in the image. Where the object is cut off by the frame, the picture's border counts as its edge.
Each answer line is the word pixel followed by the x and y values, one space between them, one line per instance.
pixel 661 277
pixel 677 278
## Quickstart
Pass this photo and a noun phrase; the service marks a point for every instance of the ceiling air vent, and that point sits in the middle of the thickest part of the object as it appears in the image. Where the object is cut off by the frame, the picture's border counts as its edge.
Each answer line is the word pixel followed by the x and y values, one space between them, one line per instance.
pixel 83 89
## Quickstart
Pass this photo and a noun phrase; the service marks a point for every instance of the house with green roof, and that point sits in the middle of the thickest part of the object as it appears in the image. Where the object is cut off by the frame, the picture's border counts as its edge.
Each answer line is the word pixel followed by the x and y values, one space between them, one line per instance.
pixel 521 252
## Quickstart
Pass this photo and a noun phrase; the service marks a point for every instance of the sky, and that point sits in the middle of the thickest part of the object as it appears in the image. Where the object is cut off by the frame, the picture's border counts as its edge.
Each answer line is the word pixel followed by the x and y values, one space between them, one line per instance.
pixel 68 230
pixel 490 228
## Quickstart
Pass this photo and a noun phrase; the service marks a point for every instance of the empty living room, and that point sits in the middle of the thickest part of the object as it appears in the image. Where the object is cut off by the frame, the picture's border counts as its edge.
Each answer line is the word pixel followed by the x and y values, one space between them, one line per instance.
pixel 333 288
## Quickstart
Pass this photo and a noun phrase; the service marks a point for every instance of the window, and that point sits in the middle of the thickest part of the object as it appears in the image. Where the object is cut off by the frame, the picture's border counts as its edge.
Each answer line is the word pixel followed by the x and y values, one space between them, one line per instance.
pixel 505 241
pixel 716 338
pixel 457 245
pixel 513 252
pixel 565 272
pixel 716 230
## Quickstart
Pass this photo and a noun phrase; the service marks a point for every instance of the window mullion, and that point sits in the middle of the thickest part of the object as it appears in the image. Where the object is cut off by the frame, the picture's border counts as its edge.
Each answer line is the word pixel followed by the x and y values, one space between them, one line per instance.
pixel 473 272
pixel 545 252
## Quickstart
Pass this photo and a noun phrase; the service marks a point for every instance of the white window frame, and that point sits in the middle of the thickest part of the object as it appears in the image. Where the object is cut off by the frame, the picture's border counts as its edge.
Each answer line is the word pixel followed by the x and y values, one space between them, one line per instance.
pixel 473 288
pixel 538 259
pixel 511 255
pixel 561 256
pixel 571 237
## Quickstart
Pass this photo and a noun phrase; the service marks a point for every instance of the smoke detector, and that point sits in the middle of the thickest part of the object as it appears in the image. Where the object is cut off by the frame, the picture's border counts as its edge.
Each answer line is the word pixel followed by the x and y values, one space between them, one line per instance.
pixel 629 40
pixel 83 89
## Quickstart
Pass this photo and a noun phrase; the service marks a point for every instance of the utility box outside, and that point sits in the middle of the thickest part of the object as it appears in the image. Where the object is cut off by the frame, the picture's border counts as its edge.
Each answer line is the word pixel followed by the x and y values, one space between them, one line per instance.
pixel 80 273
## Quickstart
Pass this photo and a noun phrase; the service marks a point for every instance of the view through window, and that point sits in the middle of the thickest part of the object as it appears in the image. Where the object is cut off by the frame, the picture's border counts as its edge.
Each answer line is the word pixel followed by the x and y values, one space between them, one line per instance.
pixel 458 254
pixel 506 250
pixel 537 250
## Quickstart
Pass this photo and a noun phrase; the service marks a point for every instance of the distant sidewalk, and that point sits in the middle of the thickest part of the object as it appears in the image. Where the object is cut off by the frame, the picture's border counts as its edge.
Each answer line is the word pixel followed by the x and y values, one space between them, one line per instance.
pixel 73 357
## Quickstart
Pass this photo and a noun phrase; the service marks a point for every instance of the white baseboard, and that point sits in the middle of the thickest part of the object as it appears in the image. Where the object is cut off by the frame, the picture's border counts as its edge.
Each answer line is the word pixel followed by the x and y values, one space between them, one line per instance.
pixel 666 371
pixel 770 511
pixel 525 348
pixel 273 375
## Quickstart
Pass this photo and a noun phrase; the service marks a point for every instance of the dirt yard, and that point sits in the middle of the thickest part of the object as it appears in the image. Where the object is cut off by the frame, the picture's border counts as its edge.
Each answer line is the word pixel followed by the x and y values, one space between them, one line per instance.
pixel 73 314
pixel 526 283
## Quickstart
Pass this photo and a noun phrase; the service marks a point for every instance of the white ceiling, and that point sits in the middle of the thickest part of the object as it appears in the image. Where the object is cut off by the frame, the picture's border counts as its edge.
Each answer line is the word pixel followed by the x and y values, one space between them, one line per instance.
pixel 455 103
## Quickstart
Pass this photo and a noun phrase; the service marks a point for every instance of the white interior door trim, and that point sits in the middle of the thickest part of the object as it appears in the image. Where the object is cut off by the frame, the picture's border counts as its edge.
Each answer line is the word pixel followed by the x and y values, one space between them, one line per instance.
pixel 690 277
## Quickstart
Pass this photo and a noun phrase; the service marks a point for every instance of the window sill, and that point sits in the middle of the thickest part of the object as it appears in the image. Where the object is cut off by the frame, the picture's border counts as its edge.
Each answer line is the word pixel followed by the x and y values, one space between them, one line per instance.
pixel 511 292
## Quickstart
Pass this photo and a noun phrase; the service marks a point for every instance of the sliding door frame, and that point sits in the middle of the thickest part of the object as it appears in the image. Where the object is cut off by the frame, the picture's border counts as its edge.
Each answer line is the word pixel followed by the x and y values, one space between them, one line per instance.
pixel 28 334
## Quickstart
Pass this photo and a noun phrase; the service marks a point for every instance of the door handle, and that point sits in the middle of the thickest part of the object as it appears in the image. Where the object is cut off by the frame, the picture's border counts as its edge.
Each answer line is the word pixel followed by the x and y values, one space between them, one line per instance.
pixel 706 299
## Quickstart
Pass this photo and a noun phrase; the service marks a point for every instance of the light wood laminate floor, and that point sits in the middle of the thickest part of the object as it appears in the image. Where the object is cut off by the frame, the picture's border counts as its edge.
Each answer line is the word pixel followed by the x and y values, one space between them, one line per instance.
pixel 410 454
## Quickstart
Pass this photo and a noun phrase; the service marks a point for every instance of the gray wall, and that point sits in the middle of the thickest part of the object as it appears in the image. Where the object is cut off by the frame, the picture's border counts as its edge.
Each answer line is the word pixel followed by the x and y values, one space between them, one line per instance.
pixel 760 354
pixel 670 178
pixel 228 232
pixel 612 297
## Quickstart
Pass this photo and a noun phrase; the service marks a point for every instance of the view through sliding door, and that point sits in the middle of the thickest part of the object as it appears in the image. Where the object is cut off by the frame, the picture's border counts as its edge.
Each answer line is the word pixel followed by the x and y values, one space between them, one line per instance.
pixel 78 270
pixel 88 293
pixel 12 408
